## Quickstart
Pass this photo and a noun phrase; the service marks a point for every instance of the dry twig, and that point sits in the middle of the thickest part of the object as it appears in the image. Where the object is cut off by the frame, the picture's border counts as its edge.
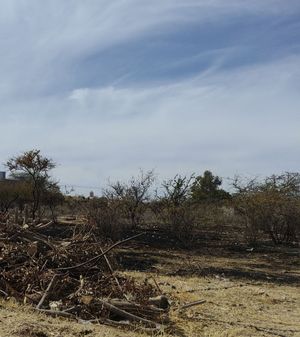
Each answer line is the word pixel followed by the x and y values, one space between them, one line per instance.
pixel 191 304
pixel 46 293
pixel 102 254
pixel 128 315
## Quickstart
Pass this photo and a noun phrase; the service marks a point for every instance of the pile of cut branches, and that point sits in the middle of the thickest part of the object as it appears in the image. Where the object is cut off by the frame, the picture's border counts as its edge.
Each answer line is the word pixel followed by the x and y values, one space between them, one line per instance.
pixel 63 272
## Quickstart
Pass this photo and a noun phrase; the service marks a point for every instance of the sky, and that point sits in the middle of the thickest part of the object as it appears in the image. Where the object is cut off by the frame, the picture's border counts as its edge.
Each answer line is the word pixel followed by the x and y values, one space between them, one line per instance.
pixel 105 88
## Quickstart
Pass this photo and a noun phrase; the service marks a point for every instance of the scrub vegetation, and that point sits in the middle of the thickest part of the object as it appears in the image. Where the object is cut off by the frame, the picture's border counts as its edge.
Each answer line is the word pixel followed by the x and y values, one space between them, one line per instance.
pixel 237 251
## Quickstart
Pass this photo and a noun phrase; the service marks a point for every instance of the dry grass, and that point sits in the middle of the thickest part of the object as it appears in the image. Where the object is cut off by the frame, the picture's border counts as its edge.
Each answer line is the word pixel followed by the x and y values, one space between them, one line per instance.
pixel 236 305
pixel 233 308
pixel 247 293
pixel 22 321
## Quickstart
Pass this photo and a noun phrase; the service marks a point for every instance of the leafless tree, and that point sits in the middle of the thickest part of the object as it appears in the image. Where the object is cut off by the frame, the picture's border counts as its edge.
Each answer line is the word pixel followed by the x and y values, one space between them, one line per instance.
pixel 132 196
pixel 177 189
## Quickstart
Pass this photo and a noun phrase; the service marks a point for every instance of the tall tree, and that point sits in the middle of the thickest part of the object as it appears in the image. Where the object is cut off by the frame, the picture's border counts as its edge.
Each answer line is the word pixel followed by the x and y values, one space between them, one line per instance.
pixel 33 167
pixel 208 188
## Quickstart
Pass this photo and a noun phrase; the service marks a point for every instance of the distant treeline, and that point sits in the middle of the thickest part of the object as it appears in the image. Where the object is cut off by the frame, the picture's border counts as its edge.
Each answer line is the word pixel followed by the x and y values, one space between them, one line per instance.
pixel 268 208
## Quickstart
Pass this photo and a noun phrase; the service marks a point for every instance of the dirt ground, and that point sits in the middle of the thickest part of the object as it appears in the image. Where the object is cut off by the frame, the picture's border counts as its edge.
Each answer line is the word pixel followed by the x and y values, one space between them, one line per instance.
pixel 249 291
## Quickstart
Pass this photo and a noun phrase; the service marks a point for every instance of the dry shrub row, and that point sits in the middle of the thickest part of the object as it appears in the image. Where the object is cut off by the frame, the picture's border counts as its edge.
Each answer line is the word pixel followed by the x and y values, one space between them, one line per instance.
pixel 184 205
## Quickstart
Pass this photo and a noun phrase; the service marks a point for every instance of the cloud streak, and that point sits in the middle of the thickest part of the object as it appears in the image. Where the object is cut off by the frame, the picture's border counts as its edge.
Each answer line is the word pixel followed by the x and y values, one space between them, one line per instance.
pixel 107 87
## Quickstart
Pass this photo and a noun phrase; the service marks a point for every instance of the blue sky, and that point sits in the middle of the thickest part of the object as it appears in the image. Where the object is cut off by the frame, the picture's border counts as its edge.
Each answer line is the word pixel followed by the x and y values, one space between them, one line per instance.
pixel 108 87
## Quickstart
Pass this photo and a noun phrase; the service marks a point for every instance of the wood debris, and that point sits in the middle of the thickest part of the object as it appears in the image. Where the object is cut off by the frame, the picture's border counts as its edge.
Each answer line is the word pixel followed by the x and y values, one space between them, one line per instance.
pixel 51 263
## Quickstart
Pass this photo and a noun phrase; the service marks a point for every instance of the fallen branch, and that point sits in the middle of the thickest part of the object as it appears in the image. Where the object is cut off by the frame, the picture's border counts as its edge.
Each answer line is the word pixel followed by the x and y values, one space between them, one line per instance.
pixel 129 306
pixel 102 254
pixel 156 284
pixel 56 313
pixel 128 315
pixel 120 312
pixel 46 293
pixel 112 272
pixel 4 293
pixel 42 225
pixel 32 236
pixel 191 304
pixel 119 324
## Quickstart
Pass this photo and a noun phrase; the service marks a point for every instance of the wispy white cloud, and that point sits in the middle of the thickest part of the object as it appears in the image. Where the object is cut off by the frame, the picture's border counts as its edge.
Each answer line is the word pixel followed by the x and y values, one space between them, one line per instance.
pixel 240 118
pixel 230 122
pixel 39 40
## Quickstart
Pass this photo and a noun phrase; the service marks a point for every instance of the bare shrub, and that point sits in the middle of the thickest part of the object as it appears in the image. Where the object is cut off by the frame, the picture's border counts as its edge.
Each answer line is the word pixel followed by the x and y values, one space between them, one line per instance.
pixel 51 199
pixel 182 222
pixel 177 190
pixel 212 218
pixel 105 218
pixel 14 193
pixel 175 210
pixel 271 206
pixel 132 197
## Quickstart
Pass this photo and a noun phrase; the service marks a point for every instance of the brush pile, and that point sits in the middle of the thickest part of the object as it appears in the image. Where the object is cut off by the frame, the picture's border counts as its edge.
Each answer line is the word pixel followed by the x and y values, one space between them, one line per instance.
pixel 65 272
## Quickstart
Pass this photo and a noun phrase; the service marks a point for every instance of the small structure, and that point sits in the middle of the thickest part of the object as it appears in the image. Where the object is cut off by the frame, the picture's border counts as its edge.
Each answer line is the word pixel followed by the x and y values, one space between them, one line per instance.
pixel 2 175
